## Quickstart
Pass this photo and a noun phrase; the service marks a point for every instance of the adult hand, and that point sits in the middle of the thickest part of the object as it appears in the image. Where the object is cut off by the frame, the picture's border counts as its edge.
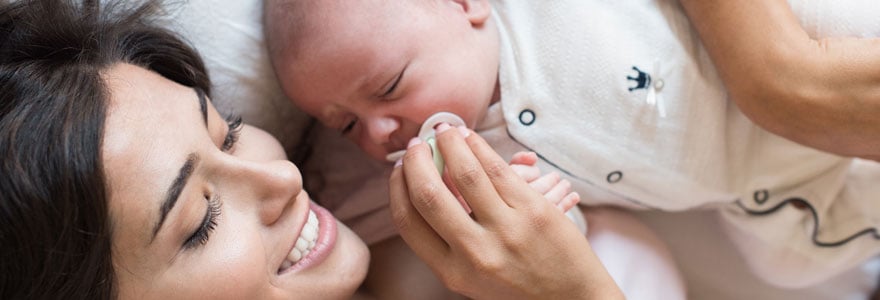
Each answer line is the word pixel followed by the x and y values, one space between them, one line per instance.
pixel 513 245
pixel 822 93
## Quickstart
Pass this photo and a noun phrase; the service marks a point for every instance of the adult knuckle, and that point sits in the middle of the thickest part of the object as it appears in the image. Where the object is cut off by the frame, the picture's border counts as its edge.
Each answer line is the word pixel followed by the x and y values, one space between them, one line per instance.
pixel 488 264
pixel 496 169
pixel 486 260
pixel 401 218
pixel 454 283
pixel 540 218
pixel 427 194
pixel 468 176
pixel 516 238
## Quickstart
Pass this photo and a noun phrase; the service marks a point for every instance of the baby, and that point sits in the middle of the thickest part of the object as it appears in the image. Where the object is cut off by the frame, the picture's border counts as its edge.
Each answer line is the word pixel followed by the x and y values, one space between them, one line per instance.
pixel 618 96
pixel 368 69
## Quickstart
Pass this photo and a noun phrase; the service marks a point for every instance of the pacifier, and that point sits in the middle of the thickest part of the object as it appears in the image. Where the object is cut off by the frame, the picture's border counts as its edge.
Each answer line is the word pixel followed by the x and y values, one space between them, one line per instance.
pixel 426 133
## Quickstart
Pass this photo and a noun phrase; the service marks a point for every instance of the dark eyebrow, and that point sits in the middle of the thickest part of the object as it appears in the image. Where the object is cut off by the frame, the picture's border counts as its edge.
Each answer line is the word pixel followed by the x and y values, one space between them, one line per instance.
pixel 174 190
pixel 184 174
pixel 203 104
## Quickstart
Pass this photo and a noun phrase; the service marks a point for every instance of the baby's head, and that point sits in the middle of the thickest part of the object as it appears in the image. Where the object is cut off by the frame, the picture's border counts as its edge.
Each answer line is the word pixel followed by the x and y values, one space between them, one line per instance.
pixel 376 69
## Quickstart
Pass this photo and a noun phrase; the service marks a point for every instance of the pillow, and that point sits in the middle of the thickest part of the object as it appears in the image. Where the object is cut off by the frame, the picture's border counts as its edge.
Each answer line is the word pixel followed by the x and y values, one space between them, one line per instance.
pixel 229 36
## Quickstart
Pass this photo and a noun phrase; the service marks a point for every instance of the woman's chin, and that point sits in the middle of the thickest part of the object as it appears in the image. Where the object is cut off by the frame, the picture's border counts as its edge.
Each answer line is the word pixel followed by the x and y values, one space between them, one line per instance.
pixel 354 254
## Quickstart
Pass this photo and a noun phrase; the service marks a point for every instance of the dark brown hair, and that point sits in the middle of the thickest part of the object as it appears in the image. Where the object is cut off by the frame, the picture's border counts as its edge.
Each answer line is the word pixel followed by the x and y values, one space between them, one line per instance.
pixel 55 231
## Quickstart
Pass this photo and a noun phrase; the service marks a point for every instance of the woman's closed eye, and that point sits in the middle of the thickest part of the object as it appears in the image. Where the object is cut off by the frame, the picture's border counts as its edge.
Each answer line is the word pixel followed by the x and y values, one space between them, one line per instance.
pixel 200 236
pixel 206 227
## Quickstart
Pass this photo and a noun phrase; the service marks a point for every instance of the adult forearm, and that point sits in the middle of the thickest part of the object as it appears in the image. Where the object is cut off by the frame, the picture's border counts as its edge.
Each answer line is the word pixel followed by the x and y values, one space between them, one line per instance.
pixel 821 93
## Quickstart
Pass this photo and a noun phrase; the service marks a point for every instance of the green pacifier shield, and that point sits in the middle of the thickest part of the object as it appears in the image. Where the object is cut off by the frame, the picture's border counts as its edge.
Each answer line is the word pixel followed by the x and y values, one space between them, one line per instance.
pixel 438 159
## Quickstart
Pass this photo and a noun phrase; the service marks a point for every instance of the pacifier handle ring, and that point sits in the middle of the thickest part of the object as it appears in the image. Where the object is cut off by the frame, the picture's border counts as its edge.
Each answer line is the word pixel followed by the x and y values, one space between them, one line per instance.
pixel 427 129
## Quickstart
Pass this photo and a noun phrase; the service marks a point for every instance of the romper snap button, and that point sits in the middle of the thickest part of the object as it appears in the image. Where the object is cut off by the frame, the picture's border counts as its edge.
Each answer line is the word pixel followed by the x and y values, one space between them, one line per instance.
pixel 614 177
pixel 658 84
pixel 761 196
pixel 527 117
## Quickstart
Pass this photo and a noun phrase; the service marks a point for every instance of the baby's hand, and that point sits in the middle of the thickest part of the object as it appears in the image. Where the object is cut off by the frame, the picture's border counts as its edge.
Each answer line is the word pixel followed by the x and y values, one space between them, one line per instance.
pixel 551 185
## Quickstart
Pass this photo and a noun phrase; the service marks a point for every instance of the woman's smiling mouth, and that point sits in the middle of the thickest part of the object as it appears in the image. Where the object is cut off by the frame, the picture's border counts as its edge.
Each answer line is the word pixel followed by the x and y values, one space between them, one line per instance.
pixel 314 243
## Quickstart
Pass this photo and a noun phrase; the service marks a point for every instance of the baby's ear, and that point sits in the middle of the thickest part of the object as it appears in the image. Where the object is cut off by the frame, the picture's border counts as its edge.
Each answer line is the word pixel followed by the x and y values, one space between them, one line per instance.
pixel 477 11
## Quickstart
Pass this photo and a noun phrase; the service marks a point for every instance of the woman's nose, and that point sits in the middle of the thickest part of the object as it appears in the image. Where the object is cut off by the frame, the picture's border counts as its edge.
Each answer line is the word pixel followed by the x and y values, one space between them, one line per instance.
pixel 276 185
pixel 379 129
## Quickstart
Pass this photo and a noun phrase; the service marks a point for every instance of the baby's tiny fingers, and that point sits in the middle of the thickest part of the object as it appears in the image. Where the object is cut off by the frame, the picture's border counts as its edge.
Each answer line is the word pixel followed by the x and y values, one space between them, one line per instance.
pixel 570 200
pixel 528 173
pixel 545 183
pixel 556 194
pixel 524 158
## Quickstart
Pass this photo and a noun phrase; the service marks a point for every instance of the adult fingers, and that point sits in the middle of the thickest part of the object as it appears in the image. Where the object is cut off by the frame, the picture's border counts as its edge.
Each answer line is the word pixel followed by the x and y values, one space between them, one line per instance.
pixel 429 195
pixel 468 175
pixel 455 192
pixel 512 189
pixel 413 228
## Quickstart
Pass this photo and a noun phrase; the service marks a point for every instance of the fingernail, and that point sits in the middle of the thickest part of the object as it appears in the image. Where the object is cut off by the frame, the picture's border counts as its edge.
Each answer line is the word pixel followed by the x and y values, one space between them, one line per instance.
pixel 442 127
pixel 398 163
pixel 414 141
pixel 464 131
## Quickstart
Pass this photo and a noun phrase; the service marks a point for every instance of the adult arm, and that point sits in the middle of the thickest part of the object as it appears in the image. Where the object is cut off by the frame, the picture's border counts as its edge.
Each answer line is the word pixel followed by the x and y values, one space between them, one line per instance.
pixel 822 93
pixel 514 244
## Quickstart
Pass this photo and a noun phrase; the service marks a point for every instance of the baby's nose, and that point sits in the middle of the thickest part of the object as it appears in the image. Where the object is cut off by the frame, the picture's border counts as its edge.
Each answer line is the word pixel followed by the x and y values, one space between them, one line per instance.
pixel 379 129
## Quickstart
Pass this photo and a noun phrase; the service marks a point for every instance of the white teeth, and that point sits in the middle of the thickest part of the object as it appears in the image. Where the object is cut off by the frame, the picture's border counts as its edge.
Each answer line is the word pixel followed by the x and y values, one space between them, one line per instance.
pixel 304 243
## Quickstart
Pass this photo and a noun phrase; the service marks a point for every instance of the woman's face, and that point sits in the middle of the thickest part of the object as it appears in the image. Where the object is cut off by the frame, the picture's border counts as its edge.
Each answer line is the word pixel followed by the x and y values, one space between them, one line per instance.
pixel 194 218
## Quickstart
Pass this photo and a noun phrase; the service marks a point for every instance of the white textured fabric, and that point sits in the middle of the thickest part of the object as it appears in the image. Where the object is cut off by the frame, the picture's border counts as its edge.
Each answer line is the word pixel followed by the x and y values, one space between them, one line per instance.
pixel 621 97
pixel 229 36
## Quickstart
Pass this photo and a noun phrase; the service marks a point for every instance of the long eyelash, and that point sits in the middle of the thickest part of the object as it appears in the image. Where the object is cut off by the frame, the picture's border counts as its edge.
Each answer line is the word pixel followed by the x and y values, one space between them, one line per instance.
pixel 395 83
pixel 393 86
pixel 209 222
pixel 234 132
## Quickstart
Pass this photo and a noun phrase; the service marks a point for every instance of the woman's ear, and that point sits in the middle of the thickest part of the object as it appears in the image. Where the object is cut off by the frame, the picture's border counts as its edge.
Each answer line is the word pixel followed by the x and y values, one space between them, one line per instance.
pixel 477 11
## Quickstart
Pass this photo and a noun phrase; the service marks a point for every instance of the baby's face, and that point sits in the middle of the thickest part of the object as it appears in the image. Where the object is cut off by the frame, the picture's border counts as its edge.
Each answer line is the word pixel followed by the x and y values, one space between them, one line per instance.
pixel 377 69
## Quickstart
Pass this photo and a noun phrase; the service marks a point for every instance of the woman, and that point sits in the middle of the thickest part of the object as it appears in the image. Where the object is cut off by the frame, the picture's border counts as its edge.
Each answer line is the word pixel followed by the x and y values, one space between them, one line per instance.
pixel 147 187
pixel 121 180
